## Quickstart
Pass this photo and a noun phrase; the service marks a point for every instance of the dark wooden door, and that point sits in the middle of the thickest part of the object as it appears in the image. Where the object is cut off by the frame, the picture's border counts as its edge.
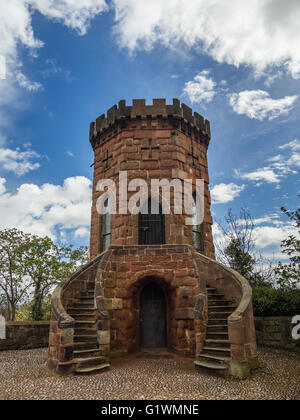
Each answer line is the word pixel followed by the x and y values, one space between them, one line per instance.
pixel 153 328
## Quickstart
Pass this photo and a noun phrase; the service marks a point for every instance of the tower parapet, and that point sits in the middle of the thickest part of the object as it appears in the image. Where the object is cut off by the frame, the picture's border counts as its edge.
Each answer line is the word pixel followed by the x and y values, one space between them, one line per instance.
pixel 179 116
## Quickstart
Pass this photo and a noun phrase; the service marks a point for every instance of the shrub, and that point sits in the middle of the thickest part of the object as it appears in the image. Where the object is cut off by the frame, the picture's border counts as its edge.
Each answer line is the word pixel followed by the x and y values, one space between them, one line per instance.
pixel 276 302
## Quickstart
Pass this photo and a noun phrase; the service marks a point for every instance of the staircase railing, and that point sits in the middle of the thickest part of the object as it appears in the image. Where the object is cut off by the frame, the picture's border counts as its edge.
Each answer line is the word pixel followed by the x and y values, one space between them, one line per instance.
pixel 62 325
pixel 241 328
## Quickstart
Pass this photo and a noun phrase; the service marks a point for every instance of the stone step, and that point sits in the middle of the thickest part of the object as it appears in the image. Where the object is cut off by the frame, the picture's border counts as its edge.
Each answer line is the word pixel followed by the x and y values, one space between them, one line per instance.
pixel 86 345
pixel 84 324
pixel 85 362
pixel 86 353
pixel 217 343
pixel 220 302
pixel 85 338
pixel 85 331
pixel 216 335
pixel 217 328
pixel 215 351
pixel 211 290
pixel 216 359
pixel 92 369
pixel 88 297
pixel 220 308
pixel 219 315
pixel 215 296
pixel 217 321
pixel 83 307
pixel 82 316
pixel 211 368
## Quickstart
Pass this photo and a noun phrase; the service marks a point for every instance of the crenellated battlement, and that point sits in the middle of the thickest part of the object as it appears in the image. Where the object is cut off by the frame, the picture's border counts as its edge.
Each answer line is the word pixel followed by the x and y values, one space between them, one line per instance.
pixel 180 114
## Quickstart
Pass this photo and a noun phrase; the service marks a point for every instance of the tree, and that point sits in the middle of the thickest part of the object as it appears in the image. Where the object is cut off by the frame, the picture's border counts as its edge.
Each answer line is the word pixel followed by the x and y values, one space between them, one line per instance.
pixel 31 264
pixel 14 284
pixel 239 259
pixel 47 264
pixel 289 274
pixel 236 249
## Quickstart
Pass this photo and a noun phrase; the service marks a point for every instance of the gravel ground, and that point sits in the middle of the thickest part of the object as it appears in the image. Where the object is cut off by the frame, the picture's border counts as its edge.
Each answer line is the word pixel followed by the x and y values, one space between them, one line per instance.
pixel 23 375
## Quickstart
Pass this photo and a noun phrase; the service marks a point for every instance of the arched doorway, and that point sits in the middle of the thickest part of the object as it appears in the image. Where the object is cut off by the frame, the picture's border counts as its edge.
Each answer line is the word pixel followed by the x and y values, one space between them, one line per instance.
pixel 153 318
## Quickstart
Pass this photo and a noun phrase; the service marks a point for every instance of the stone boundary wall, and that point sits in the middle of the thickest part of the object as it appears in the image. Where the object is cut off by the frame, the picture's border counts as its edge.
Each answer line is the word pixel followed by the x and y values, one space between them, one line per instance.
pixel 25 335
pixel 276 332
pixel 270 331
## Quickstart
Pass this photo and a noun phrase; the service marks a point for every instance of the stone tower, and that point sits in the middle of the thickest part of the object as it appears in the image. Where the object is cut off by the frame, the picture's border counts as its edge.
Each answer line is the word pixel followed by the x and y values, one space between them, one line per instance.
pixel 150 142
pixel 152 281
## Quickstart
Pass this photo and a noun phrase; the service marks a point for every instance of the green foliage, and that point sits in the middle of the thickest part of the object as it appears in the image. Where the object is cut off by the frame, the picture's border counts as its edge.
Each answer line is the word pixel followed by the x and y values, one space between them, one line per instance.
pixel 289 274
pixel 14 285
pixel 275 302
pixel 238 259
pixel 31 263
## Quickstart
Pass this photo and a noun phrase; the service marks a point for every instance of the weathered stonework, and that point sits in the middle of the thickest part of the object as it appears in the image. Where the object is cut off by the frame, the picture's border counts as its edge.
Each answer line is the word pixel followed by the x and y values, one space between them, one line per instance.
pixel 156 141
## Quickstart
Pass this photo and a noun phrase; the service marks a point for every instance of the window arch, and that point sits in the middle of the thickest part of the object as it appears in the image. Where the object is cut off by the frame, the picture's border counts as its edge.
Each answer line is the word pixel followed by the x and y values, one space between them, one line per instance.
pixel 151 227
pixel 105 229
pixel 198 237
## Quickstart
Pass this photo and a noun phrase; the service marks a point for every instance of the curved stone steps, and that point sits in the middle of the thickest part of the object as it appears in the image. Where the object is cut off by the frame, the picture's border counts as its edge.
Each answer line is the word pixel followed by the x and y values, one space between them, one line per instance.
pixel 215 356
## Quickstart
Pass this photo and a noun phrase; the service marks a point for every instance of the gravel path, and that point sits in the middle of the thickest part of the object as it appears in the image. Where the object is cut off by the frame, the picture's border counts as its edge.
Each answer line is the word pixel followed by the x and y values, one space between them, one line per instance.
pixel 23 376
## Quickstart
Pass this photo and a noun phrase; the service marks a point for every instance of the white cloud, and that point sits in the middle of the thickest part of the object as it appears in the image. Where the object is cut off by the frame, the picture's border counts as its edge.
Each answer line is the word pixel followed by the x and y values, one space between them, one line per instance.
pixel 2 185
pixel 201 89
pixel 16 31
pixel 266 174
pixel 76 14
pixel 27 84
pixel 82 232
pixel 265 236
pixel 257 104
pixel 17 161
pixel 279 166
pixel 260 33
pixel 43 210
pixel 294 145
pixel 224 193
pixel 2 67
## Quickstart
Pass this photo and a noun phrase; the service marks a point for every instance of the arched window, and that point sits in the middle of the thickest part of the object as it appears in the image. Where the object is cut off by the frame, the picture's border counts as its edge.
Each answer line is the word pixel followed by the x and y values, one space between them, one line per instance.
pixel 198 237
pixel 152 227
pixel 105 230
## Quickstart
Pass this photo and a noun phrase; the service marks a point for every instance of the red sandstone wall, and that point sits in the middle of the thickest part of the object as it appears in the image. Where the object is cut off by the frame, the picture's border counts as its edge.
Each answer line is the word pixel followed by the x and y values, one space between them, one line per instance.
pixel 170 160
pixel 127 272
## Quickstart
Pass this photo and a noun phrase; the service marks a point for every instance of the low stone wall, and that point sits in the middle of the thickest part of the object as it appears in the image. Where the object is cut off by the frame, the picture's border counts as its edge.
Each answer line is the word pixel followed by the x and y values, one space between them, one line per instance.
pixel 25 335
pixel 270 331
pixel 276 332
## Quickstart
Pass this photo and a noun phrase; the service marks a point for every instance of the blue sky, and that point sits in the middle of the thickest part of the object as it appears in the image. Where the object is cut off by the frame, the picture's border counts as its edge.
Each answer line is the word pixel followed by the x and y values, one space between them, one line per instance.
pixel 63 63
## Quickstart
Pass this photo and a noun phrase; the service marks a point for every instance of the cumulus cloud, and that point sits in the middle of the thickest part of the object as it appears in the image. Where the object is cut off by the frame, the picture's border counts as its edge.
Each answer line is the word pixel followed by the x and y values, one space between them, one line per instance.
pixel 17 161
pixel 47 209
pixel 257 104
pixel 225 193
pixel 279 166
pixel 201 89
pixel 265 236
pixel 16 31
pixel 260 33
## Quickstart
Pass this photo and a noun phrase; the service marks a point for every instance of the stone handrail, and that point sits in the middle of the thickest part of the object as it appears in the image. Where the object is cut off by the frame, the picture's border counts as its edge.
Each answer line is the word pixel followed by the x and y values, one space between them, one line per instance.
pixel 57 298
pixel 241 329
pixel 241 282
pixel 62 325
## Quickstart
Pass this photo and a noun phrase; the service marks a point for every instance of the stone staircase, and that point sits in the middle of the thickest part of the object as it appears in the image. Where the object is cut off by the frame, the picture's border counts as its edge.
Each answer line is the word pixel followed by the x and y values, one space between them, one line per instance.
pixel 87 357
pixel 215 356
